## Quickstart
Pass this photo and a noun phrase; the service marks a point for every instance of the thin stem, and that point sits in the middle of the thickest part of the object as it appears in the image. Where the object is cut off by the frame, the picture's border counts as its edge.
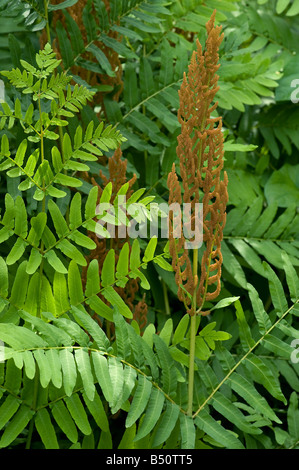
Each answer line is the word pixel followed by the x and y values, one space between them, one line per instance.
pixel 43 205
pixel 47 21
pixel 33 407
pixel 241 360
pixel 192 337
pixel 145 100
pixel 166 301
pixel 144 113
pixel 61 135
pixel 41 270
pixel 191 365
pixel 108 329
pixel 41 128
pixel 46 2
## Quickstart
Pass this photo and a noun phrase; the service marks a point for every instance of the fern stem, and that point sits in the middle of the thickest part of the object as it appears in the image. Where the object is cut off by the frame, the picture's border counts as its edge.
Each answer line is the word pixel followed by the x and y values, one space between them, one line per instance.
pixel 47 21
pixel 61 135
pixel 145 100
pixel 108 329
pixel 43 205
pixel 191 365
pixel 242 359
pixel 41 270
pixel 33 407
pixel 294 445
pixel 42 151
pixel 192 337
pixel 166 301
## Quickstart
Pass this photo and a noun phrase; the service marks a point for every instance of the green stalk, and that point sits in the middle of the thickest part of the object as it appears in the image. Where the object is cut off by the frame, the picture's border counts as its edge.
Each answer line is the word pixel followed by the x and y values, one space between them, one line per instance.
pixel 43 208
pixel 193 332
pixel 242 360
pixel 41 269
pixel 192 338
pixel 33 407
pixel 191 365
pixel 144 113
pixel 47 21
pixel 166 301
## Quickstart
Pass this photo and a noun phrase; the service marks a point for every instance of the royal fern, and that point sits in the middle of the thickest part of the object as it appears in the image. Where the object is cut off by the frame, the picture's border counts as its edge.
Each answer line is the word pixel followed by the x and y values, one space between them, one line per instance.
pixel 78 371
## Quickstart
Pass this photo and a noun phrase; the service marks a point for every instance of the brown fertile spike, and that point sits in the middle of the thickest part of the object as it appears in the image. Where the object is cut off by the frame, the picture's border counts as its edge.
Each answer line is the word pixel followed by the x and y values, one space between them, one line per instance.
pixel 117 176
pixel 117 173
pixel 93 78
pixel 200 152
pixel 180 259
pixel 140 314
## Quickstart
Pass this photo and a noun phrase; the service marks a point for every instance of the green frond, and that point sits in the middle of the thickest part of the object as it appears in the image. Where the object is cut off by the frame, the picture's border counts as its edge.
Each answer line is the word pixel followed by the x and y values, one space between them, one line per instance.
pixel 261 236
pixel 76 364
pixel 215 430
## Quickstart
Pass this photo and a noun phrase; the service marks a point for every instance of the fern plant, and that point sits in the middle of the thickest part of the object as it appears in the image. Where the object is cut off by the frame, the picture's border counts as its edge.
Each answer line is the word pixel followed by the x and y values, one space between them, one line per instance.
pixel 48 246
pixel 143 99
pixel 62 379
pixel 48 249
pixel 69 381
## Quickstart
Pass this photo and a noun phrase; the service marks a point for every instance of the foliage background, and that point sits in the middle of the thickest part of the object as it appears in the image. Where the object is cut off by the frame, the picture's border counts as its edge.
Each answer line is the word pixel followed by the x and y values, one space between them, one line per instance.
pixel 133 59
